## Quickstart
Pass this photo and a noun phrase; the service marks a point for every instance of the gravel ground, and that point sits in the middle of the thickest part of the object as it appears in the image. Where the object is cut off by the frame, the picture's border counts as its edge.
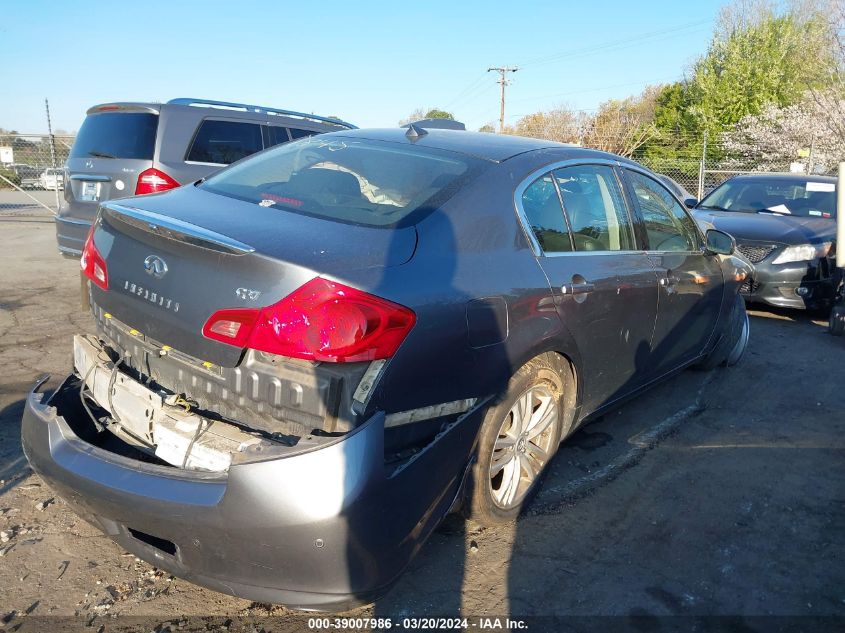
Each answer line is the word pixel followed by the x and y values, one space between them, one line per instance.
pixel 717 494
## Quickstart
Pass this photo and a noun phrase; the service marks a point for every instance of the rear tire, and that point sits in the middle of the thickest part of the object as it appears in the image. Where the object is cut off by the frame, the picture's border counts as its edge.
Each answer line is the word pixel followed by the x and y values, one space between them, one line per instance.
pixel 518 438
pixel 836 325
pixel 731 348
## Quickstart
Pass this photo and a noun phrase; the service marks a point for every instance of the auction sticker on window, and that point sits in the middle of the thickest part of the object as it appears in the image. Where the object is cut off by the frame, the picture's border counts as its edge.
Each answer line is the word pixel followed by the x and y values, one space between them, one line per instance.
pixel 821 186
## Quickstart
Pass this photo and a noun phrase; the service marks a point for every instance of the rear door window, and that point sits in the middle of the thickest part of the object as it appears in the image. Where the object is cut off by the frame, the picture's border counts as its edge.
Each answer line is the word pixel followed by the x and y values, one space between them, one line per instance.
pixel 224 142
pixel 595 207
pixel 541 205
pixel 116 135
pixel 278 135
pixel 668 225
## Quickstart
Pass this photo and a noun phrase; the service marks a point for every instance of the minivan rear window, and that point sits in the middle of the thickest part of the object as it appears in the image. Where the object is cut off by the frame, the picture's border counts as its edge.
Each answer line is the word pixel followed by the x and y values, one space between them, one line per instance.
pixel 365 182
pixel 116 135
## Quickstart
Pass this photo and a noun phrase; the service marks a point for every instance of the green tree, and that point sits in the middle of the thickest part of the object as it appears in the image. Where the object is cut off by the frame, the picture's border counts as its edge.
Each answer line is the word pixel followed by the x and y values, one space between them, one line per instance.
pixel 436 113
pixel 760 55
pixel 426 113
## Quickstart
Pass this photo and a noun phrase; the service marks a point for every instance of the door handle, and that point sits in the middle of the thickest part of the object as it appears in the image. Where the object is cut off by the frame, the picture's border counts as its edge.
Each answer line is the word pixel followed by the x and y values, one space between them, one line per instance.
pixel 669 281
pixel 577 288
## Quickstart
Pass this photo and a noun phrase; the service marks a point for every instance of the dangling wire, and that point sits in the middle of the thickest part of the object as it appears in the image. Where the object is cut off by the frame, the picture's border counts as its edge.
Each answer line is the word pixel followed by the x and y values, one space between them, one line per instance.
pixel 97 424
pixel 112 379
pixel 195 438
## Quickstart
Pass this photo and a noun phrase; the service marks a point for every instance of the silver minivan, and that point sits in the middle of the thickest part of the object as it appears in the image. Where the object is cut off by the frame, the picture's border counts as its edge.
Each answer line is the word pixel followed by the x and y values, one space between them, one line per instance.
pixel 130 149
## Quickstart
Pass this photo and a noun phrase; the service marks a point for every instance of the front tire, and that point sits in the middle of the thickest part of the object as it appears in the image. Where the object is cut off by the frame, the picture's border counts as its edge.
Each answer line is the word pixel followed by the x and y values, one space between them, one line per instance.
pixel 731 347
pixel 518 438
pixel 836 325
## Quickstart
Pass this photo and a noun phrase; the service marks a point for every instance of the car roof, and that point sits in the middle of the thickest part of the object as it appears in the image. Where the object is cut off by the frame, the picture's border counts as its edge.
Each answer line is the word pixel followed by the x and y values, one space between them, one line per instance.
pixel 492 147
pixel 785 176
pixel 217 108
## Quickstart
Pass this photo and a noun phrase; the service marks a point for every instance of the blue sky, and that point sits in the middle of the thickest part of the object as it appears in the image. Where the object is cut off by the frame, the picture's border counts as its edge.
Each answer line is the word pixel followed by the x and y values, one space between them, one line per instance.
pixel 370 63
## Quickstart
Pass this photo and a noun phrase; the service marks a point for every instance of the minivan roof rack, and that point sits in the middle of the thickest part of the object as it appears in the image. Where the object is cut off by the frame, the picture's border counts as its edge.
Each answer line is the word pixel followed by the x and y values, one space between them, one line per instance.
pixel 227 105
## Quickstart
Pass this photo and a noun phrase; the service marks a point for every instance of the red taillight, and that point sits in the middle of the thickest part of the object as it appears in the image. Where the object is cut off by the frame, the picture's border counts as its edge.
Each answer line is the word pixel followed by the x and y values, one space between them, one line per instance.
pixel 153 180
pixel 93 264
pixel 322 320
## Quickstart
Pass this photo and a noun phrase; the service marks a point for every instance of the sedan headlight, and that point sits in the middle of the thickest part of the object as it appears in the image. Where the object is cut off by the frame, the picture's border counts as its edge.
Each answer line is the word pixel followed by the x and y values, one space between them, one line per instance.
pixel 802 253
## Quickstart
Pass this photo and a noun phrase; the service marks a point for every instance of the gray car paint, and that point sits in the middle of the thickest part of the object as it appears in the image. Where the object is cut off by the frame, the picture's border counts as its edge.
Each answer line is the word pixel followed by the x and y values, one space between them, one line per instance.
pixel 484 305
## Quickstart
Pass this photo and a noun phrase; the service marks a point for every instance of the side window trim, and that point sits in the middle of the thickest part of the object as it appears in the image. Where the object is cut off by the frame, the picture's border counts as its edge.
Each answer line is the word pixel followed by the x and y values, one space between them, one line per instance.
pixel 529 179
pixel 563 211
pixel 627 210
pixel 698 237
pixel 640 233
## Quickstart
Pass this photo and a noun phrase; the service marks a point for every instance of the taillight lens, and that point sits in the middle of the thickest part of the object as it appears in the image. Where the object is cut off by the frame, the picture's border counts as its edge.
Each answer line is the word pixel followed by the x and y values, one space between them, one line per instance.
pixel 322 320
pixel 93 264
pixel 153 180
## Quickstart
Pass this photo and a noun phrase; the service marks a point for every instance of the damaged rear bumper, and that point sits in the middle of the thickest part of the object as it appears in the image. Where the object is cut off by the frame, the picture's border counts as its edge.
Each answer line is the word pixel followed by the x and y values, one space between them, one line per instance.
pixel 326 529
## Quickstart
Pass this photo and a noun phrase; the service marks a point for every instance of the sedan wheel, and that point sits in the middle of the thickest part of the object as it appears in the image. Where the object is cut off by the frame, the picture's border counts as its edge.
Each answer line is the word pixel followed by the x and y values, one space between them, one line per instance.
pixel 523 446
pixel 518 438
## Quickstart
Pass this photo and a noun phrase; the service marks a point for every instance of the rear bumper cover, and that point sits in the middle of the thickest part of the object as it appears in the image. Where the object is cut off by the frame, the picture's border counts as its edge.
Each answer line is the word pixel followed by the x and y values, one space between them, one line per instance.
pixel 71 234
pixel 326 529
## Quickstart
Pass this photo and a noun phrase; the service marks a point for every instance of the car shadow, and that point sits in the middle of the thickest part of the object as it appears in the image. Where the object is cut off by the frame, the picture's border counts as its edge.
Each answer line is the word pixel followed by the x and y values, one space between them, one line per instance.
pixel 13 465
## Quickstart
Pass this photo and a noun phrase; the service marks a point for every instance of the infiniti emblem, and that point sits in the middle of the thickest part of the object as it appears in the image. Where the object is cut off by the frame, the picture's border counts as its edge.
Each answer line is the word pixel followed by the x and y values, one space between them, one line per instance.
pixel 155 266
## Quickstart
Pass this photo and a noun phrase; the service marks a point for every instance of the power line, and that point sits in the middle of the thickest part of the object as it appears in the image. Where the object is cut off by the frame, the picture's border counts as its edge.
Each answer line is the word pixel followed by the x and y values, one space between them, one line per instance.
pixel 577 92
pixel 502 82
pixel 625 43
pixel 468 90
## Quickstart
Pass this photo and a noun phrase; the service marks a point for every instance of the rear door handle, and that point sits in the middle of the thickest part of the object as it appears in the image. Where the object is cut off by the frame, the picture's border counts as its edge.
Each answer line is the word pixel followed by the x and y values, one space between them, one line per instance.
pixel 577 289
pixel 669 281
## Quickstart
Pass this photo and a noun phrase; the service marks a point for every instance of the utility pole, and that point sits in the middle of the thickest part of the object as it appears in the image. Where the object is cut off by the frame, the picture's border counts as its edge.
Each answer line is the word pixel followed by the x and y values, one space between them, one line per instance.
pixel 503 82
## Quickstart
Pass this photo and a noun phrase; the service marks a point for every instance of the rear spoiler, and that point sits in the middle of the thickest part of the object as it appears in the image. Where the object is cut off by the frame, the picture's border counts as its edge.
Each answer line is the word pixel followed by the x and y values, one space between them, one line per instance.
pixel 437 124
pixel 149 108
pixel 178 230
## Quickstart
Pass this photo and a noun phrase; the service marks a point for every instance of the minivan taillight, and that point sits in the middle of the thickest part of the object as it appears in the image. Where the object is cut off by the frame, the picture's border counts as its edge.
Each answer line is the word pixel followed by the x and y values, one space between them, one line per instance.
pixel 93 264
pixel 153 180
pixel 322 320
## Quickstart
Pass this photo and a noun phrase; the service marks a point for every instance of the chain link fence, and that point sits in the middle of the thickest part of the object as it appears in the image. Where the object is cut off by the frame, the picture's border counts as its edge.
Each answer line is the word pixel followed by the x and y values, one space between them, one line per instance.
pixel 32 175
pixel 699 164
pixel 32 172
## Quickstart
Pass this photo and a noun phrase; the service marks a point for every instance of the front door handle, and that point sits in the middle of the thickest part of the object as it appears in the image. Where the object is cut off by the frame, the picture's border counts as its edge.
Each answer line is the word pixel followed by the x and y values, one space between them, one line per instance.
pixel 582 288
pixel 669 281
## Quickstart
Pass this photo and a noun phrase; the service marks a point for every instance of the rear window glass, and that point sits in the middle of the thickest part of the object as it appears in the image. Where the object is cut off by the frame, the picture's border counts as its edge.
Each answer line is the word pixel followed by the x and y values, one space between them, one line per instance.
pixel 785 196
pixel 351 180
pixel 116 135
pixel 224 142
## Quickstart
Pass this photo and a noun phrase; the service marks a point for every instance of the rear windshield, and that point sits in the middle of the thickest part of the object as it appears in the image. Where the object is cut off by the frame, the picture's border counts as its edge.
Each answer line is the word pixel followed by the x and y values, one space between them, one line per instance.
pixel 364 182
pixel 116 135
pixel 799 197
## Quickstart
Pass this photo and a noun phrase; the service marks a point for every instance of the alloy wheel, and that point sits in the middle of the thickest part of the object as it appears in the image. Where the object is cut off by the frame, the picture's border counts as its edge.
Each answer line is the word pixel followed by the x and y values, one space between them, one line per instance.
pixel 523 445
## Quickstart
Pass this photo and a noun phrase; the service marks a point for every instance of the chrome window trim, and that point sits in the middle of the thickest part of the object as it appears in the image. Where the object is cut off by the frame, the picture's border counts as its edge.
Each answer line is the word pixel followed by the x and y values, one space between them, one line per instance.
pixel 198 162
pixel 549 168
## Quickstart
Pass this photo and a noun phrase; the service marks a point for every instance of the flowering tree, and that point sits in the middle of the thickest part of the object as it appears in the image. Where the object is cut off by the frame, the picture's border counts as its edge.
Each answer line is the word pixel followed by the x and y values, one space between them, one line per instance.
pixel 777 137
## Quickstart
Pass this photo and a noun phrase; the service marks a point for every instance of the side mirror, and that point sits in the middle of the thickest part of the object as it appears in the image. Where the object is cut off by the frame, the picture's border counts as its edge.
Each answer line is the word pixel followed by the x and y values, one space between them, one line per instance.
pixel 719 243
pixel 690 203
